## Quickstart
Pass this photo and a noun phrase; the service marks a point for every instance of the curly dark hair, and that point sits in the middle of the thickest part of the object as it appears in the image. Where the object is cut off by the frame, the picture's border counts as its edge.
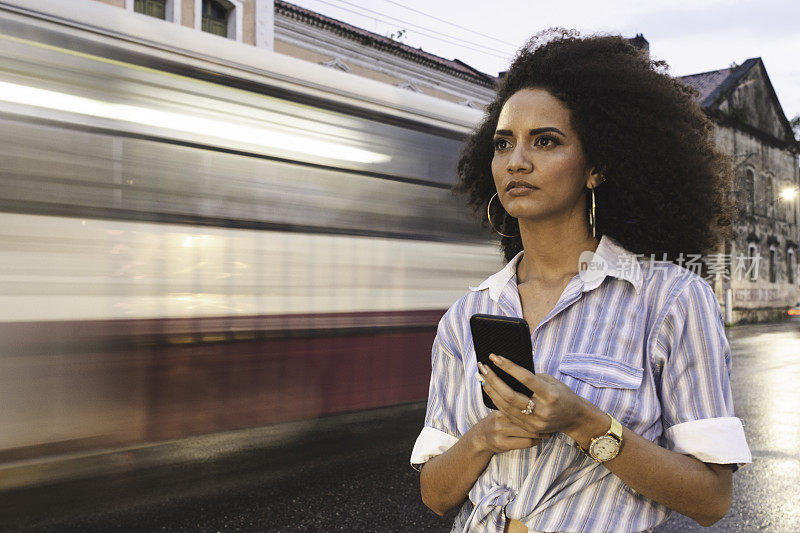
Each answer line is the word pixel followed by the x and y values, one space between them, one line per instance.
pixel 667 184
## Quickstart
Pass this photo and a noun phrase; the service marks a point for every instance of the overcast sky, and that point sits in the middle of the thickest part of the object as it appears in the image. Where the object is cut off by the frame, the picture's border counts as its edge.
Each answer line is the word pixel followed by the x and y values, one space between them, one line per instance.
pixel 691 35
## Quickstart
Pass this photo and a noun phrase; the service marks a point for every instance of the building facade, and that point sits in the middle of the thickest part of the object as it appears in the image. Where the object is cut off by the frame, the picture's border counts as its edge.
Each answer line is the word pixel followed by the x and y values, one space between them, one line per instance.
pixel 245 21
pixel 308 35
pixel 304 34
pixel 760 278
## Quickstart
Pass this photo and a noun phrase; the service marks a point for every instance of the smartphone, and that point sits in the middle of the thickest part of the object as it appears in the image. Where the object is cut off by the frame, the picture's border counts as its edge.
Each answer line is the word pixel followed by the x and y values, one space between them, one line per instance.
pixel 507 336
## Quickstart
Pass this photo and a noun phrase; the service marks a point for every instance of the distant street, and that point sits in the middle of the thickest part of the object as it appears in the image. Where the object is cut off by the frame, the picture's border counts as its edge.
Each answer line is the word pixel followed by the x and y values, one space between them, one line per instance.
pixel 353 474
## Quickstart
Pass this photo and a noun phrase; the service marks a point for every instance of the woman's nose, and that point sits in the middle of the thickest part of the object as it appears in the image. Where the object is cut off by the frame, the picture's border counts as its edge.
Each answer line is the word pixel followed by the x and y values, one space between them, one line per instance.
pixel 519 161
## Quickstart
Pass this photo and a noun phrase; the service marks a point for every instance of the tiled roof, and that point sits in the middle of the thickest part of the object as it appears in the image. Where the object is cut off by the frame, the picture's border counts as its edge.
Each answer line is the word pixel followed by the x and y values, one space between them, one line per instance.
pixel 713 86
pixel 451 66
pixel 716 82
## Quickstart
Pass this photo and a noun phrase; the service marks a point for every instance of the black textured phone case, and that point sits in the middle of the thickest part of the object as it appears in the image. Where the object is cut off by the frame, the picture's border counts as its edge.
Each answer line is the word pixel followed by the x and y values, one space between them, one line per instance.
pixel 507 336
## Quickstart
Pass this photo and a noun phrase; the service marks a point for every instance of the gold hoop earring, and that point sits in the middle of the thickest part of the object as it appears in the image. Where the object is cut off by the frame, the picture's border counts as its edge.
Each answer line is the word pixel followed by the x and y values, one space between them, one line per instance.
pixel 593 216
pixel 490 218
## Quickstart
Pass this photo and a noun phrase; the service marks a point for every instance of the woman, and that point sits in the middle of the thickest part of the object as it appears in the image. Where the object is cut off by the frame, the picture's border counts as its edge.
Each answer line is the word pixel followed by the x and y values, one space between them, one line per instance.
pixel 631 415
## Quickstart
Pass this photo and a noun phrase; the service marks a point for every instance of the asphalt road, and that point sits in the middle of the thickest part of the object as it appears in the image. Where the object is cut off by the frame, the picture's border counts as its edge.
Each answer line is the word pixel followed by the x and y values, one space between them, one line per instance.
pixel 351 473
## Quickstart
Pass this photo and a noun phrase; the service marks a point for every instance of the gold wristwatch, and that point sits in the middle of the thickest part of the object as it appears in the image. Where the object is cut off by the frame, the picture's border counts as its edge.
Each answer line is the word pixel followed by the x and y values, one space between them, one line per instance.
pixel 605 447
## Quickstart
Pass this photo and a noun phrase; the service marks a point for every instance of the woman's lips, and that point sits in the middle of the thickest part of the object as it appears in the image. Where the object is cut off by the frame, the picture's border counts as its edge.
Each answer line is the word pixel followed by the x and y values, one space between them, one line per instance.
pixel 521 191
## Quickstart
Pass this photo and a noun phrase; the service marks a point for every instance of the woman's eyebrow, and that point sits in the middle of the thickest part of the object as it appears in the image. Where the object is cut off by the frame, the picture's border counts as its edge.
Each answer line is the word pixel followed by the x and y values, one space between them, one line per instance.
pixel 535 131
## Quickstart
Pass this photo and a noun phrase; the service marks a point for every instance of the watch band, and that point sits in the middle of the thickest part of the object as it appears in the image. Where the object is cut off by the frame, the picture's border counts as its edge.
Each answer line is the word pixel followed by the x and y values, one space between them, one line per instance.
pixel 616 429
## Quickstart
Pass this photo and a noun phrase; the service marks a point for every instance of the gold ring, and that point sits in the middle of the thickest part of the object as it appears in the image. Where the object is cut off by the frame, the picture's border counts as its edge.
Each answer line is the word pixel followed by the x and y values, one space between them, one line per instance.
pixel 529 409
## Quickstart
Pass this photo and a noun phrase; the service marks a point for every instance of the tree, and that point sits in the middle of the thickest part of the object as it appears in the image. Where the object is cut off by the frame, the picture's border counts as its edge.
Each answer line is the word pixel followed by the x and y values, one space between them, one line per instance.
pixel 795 122
pixel 398 35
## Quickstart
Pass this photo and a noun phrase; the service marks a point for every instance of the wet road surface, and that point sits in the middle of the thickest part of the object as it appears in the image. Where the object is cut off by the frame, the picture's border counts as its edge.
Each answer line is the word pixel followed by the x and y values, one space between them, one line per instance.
pixel 351 473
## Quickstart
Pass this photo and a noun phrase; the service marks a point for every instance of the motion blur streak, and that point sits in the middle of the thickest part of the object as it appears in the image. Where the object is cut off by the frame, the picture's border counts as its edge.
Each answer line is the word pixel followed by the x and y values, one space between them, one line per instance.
pixel 189 247
pixel 21 94
pixel 59 268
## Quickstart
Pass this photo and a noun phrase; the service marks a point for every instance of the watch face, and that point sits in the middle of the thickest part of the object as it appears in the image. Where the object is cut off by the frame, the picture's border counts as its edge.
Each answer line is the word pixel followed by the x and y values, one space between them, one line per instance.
pixel 604 448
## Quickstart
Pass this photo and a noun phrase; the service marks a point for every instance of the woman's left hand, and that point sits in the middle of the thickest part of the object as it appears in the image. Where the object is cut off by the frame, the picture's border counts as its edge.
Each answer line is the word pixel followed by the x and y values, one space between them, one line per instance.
pixel 557 407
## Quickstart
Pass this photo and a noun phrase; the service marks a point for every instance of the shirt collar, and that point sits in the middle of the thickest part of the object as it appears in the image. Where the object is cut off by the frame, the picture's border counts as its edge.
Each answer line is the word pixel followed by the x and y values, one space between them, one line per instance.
pixel 618 261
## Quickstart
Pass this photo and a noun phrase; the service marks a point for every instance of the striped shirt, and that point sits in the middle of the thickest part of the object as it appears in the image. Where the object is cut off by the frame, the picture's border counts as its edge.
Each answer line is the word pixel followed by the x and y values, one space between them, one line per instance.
pixel 644 340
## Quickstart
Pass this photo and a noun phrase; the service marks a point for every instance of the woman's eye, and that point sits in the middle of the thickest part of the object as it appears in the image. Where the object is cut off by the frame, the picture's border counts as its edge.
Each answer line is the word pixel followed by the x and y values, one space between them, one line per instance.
pixel 551 141
pixel 500 144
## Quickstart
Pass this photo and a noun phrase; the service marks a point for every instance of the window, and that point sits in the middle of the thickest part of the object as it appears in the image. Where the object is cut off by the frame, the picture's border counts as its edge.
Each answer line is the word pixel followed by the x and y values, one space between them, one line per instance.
pixel 787 205
pixel 749 189
pixel 772 264
pixel 215 18
pixel 220 17
pixel 770 198
pixel 753 263
pixel 151 8
pixel 791 265
pixel 169 10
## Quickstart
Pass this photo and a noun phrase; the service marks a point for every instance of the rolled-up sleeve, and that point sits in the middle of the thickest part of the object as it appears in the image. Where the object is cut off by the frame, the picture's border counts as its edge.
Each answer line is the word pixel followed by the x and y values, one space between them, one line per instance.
pixel 440 430
pixel 694 358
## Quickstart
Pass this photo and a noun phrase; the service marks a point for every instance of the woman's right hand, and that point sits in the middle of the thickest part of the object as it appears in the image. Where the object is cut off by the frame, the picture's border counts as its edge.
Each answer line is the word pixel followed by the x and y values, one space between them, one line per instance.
pixel 497 433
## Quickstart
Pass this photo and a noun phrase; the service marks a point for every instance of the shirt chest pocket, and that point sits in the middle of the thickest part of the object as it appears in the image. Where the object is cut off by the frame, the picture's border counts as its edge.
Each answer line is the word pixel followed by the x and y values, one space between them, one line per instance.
pixel 611 385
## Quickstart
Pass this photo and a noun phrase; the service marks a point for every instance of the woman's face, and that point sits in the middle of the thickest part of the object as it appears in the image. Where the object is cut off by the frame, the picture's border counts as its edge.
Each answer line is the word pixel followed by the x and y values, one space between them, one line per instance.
pixel 535 143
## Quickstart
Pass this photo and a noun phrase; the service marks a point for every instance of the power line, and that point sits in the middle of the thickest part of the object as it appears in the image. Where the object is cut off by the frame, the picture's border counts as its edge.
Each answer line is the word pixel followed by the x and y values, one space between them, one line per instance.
pixel 505 55
pixel 411 24
pixel 398 4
